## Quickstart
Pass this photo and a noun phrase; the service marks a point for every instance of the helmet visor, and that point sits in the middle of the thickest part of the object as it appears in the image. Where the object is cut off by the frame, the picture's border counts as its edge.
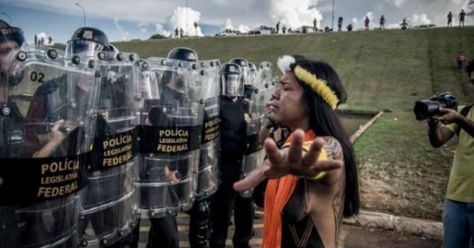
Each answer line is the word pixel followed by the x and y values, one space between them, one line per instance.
pixel 83 48
pixel 233 85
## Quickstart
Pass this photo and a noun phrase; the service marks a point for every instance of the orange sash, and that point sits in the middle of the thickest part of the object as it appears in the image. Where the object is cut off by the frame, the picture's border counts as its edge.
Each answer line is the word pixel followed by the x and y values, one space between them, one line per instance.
pixel 277 194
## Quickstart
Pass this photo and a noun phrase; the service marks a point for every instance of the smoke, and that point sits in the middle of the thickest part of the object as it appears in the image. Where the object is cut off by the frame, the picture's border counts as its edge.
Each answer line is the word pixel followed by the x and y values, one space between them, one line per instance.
pixel 295 14
pixel 123 33
pixel 186 18
pixel 241 28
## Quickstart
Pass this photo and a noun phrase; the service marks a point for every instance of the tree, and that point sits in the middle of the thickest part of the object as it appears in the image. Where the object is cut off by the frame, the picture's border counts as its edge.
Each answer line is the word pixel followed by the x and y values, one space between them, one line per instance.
pixel 157 37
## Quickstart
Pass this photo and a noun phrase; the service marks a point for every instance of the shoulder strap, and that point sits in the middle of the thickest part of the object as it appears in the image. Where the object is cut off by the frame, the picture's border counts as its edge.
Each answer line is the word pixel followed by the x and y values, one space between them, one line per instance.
pixel 465 110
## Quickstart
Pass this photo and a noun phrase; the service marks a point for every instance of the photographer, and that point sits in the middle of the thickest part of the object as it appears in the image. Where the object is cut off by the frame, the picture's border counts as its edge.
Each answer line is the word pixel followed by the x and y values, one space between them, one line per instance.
pixel 458 213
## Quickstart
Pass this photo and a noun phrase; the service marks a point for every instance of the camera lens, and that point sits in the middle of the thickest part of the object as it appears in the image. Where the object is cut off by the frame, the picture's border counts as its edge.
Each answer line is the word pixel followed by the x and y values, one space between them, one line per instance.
pixel 424 109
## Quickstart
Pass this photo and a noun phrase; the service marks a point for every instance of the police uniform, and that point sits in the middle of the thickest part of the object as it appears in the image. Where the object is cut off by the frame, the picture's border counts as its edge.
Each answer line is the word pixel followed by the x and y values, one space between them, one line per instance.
pixel 164 230
pixel 226 200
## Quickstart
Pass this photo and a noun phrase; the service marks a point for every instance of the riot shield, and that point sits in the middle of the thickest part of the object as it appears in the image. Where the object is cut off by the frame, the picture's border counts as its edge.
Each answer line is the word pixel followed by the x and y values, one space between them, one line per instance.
pixel 170 135
pixel 46 130
pixel 208 172
pixel 254 153
pixel 109 201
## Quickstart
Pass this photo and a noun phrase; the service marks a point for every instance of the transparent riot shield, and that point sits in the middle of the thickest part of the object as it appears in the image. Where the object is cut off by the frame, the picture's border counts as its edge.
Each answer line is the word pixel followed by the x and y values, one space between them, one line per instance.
pixel 265 82
pixel 264 75
pixel 170 135
pixel 254 153
pixel 109 201
pixel 208 172
pixel 46 130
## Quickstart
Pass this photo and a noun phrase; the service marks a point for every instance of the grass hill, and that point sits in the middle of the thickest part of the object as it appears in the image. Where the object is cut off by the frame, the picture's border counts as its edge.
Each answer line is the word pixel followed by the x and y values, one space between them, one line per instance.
pixel 382 70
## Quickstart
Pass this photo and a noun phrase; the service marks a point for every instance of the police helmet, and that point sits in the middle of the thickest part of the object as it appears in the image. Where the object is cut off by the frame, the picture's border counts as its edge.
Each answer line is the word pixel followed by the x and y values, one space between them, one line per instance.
pixel 240 61
pixel 87 42
pixel 252 74
pixel 252 67
pixel 9 33
pixel 183 53
pixel 232 80
pixel 244 64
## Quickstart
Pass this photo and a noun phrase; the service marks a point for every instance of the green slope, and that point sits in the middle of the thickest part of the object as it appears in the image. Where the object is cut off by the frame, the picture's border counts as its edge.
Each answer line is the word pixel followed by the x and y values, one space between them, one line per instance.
pixel 399 171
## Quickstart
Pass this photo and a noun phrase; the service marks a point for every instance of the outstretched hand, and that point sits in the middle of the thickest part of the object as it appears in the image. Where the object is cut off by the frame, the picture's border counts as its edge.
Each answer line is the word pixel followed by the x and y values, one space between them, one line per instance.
pixel 281 162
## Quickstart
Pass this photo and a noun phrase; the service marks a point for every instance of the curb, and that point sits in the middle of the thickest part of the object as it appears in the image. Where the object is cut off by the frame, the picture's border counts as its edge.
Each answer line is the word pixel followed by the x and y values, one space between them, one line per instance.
pixel 419 227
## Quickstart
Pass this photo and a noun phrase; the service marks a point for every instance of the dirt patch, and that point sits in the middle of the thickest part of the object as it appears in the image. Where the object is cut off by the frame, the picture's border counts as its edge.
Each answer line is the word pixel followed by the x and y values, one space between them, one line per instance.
pixel 358 237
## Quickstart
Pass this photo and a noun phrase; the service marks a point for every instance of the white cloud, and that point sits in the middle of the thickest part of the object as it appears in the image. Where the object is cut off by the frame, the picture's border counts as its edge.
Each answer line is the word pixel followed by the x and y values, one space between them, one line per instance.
pixel 186 18
pixel 251 13
pixel 222 2
pixel 417 20
pixel 370 15
pixel 160 30
pixel 398 3
pixel 124 34
pixel 241 28
pixel 228 24
pixel 294 14
pixel 393 26
pixel 143 26
pixel 45 38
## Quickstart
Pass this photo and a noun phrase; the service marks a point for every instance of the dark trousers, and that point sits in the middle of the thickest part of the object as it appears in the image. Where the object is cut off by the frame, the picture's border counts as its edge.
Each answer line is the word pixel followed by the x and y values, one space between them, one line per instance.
pixel 130 240
pixel 163 233
pixel 199 224
pixel 225 201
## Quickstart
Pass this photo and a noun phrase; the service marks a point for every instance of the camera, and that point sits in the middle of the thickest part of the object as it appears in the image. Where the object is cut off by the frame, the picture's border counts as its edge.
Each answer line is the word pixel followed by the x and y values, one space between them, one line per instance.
pixel 425 109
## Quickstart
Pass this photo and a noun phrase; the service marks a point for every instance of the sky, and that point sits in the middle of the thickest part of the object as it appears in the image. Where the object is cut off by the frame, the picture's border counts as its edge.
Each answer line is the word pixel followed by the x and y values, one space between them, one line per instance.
pixel 124 20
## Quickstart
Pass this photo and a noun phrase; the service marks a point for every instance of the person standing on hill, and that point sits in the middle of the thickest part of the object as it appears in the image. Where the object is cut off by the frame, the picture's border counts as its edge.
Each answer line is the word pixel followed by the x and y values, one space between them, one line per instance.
pixel 462 15
pixel 382 22
pixel 450 19
pixel 470 70
pixel 339 23
pixel 461 60
pixel 458 212
pixel 404 24
pixel 366 23
pixel 349 27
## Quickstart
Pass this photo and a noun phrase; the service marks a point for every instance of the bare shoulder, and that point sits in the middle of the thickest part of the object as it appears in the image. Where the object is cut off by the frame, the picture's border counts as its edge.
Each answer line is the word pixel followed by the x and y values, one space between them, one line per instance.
pixel 333 148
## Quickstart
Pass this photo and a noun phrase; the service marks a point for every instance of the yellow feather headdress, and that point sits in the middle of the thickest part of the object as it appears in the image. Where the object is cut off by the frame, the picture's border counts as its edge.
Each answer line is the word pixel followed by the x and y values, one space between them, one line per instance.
pixel 318 85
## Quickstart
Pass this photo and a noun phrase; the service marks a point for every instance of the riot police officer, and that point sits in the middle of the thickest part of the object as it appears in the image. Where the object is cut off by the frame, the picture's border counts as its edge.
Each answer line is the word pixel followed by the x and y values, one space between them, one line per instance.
pixel 109 212
pixel 233 115
pixel 43 211
pixel 175 104
pixel 207 176
pixel 248 76
pixel 11 39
